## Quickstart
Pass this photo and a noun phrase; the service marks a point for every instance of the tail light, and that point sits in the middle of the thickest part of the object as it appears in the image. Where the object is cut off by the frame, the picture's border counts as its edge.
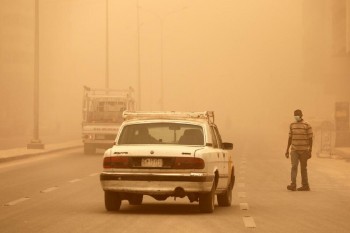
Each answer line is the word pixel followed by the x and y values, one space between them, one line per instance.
pixel 88 136
pixel 189 163
pixel 116 162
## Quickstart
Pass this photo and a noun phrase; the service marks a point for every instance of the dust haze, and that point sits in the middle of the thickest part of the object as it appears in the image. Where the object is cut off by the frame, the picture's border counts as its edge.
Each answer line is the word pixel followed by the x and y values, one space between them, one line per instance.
pixel 252 62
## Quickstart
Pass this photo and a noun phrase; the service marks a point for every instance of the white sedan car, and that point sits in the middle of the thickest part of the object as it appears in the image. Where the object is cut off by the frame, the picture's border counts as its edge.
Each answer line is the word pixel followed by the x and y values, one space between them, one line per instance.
pixel 168 154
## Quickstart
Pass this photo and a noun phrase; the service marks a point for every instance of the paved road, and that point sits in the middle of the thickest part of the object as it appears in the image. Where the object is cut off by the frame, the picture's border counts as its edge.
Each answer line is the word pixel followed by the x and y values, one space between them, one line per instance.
pixel 61 192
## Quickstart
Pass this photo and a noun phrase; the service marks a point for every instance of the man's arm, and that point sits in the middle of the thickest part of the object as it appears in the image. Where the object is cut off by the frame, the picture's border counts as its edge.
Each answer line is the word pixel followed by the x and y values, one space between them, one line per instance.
pixel 310 133
pixel 288 146
pixel 310 148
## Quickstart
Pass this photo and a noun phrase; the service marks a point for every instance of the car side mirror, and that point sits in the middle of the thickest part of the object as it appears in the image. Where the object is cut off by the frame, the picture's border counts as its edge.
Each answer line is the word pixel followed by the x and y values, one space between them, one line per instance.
pixel 227 146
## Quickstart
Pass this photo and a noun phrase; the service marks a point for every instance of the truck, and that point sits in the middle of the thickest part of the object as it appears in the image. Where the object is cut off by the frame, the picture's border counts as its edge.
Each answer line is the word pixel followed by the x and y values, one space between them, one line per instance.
pixel 102 116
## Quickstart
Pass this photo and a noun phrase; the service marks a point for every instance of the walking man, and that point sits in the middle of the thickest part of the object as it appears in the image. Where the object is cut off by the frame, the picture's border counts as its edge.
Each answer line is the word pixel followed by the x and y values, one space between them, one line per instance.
pixel 300 141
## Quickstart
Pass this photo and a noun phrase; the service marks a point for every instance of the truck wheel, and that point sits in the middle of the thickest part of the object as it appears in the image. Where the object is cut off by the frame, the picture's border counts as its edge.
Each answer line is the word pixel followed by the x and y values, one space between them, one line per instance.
pixel 225 199
pixel 112 201
pixel 89 149
pixel 207 201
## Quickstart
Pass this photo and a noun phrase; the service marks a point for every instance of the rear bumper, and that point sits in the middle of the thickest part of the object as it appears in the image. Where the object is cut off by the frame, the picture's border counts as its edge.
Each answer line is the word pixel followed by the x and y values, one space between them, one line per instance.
pixel 157 183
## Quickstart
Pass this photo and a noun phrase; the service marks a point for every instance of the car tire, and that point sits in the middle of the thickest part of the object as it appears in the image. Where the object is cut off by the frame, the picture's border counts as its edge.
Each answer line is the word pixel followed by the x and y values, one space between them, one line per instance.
pixel 207 201
pixel 225 199
pixel 112 201
pixel 136 199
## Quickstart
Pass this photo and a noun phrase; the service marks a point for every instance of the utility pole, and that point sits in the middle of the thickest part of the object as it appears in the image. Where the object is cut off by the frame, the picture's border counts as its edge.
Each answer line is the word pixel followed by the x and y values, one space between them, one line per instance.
pixel 107 48
pixel 36 143
pixel 162 22
pixel 138 58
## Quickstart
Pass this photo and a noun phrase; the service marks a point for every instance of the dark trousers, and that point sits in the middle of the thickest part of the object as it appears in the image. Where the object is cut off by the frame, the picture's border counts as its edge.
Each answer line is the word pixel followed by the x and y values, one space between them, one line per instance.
pixel 302 157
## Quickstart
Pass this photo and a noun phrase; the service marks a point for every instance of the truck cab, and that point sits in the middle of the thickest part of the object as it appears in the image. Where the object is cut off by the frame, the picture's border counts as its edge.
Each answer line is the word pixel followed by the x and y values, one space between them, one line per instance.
pixel 102 116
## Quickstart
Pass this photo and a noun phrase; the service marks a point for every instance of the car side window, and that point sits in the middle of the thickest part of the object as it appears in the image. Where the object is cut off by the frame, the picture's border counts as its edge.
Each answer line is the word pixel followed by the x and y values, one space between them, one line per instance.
pixel 213 136
pixel 218 137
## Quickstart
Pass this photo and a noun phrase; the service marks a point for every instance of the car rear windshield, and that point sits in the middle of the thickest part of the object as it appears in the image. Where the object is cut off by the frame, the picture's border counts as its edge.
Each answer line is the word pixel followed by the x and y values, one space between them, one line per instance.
pixel 162 133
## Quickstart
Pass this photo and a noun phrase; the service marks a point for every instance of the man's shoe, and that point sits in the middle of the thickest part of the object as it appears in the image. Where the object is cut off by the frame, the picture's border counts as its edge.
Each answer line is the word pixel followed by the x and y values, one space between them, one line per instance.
pixel 291 187
pixel 304 188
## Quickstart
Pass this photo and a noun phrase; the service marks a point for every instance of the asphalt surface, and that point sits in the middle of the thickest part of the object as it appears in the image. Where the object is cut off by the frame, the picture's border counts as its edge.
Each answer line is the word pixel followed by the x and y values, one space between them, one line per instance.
pixel 60 192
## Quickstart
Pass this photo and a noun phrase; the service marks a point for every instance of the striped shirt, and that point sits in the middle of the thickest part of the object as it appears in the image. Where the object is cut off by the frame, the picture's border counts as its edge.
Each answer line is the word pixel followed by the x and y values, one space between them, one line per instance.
pixel 300 132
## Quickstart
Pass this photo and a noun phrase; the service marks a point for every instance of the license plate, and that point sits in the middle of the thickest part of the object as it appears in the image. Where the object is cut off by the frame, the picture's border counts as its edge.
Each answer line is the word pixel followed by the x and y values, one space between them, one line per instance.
pixel 151 162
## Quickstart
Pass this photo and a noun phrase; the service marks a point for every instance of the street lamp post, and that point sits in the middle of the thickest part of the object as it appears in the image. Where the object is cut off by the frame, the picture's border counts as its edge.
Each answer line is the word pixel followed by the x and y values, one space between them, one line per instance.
pixel 138 58
pixel 36 143
pixel 107 47
pixel 162 20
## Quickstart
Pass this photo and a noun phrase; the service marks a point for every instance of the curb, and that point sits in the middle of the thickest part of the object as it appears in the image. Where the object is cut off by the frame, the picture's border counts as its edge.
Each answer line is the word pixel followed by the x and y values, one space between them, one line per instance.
pixel 33 154
pixel 343 152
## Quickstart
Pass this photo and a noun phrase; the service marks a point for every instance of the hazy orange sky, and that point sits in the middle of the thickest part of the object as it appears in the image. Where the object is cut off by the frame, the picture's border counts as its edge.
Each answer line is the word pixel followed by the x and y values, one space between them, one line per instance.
pixel 242 59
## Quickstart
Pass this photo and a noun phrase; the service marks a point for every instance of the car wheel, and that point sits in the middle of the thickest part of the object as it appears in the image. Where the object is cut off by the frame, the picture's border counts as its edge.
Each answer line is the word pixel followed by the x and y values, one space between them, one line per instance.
pixel 112 201
pixel 225 199
pixel 207 201
pixel 136 199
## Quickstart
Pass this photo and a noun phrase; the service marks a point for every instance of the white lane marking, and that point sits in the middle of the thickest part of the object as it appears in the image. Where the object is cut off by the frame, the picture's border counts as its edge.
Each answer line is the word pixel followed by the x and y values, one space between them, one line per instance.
pixel 241 195
pixel 17 201
pixel 244 206
pixel 249 222
pixel 49 189
pixel 94 174
pixel 74 181
pixel 241 185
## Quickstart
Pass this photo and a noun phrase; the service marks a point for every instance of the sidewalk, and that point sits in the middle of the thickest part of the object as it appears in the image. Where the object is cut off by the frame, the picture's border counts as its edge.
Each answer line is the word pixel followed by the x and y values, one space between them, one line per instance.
pixel 17 153
pixel 343 152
